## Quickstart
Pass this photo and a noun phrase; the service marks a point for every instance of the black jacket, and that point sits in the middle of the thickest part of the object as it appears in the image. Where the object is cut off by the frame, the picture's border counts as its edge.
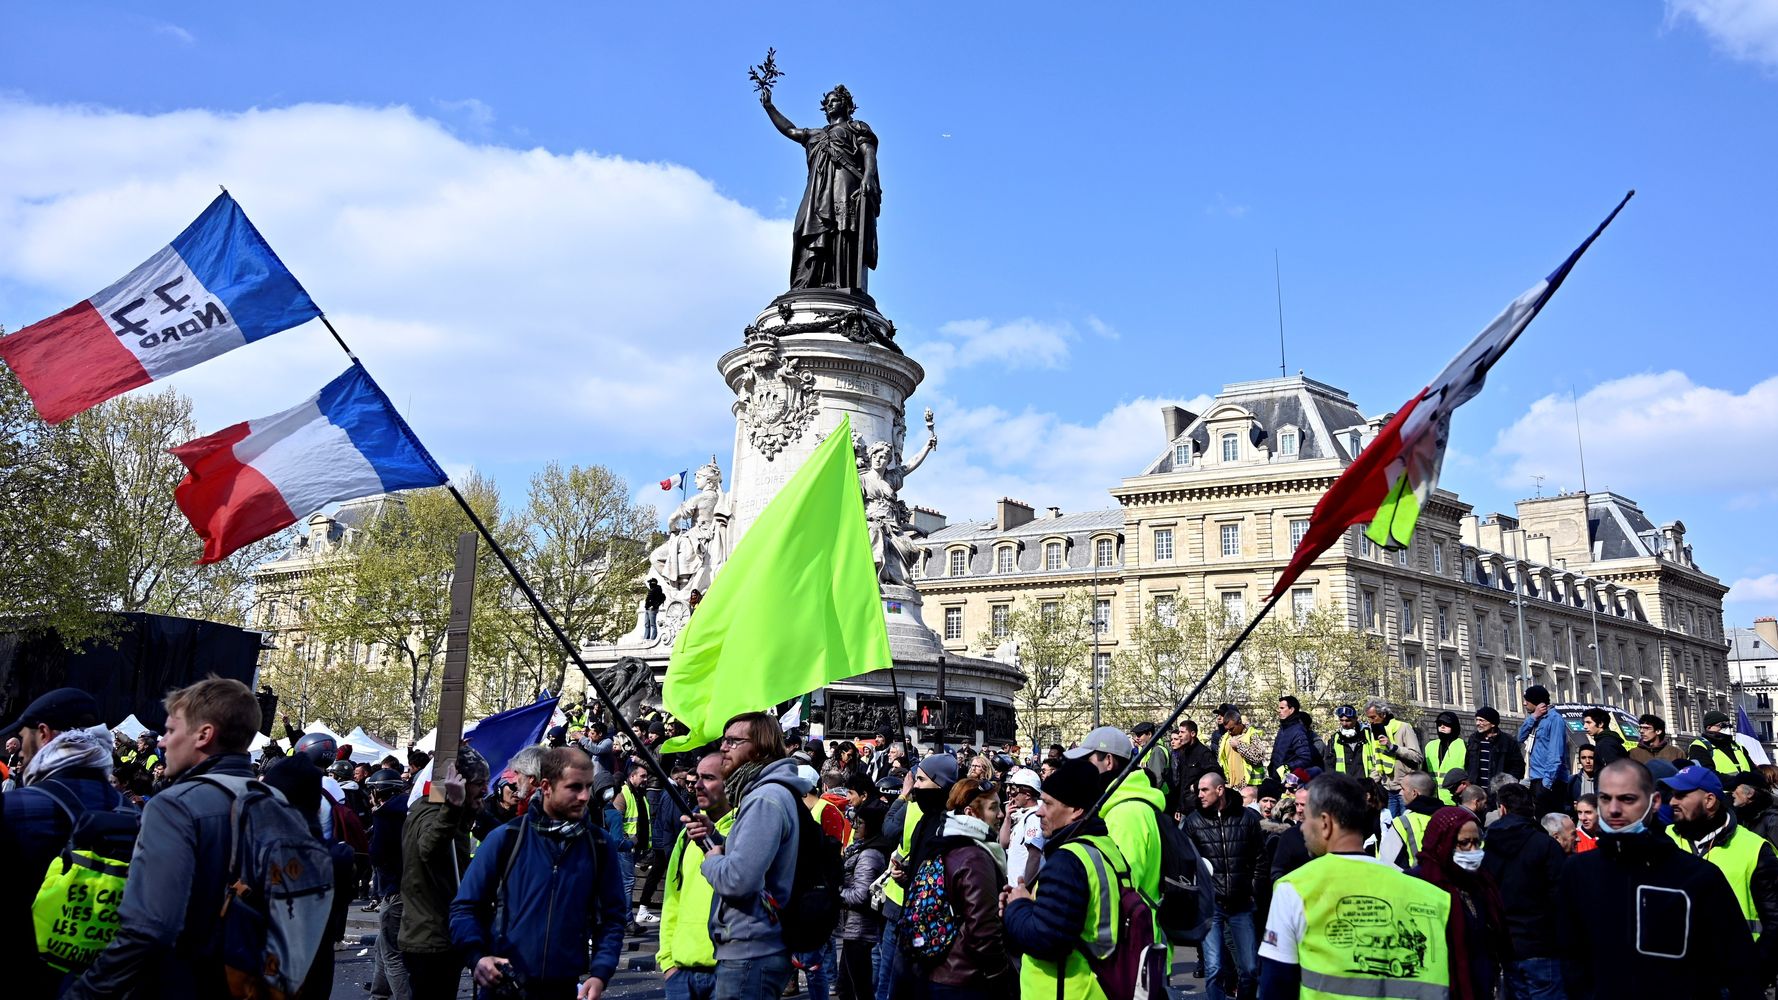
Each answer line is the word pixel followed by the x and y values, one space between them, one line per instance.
pixel 1231 840
pixel 1639 916
pixel 1188 765
pixel 1508 757
pixel 1293 747
pixel 1608 748
pixel 1526 863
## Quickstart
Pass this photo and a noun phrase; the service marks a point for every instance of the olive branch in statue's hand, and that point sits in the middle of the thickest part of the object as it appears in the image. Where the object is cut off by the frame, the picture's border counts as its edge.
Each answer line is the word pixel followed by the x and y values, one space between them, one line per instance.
pixel 765 74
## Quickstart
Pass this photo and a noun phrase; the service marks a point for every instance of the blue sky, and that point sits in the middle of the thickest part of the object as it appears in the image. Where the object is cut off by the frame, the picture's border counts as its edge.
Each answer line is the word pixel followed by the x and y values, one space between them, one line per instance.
pixel 540 230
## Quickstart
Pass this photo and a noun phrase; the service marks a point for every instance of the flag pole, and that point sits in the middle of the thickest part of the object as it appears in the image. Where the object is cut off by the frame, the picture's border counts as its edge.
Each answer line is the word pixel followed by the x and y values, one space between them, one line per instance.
pixel 1179 710
pixel 652 762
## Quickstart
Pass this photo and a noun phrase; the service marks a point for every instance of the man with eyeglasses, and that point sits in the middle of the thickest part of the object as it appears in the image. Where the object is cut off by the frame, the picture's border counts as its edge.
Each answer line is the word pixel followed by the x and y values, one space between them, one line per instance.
pixel 1022 834
pixel 756 860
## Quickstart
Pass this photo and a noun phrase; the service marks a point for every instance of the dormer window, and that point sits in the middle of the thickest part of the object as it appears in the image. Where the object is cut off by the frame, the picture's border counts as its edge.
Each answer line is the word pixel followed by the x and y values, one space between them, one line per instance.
pixel 959 562
pixel 1104 551
pixel 1003 559
pixel 1182 455
pixel 1052 556
pixel 1231 447
pixel 1287 443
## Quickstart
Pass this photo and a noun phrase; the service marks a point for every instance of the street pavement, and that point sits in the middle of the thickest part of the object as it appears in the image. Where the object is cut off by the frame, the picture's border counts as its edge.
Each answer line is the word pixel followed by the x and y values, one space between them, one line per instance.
pixel 636 979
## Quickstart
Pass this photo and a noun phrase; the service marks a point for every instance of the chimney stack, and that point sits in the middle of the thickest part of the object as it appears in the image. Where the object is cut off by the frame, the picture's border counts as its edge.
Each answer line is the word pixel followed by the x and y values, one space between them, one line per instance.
pixel 1013 513
pixel 1175 419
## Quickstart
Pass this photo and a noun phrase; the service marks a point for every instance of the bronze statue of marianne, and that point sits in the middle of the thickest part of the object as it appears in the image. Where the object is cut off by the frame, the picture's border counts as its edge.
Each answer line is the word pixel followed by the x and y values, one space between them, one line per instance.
pixel 835 239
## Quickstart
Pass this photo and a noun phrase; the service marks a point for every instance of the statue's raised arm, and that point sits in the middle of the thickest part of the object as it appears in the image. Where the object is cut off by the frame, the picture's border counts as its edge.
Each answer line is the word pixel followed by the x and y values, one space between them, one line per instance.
pixel 782 123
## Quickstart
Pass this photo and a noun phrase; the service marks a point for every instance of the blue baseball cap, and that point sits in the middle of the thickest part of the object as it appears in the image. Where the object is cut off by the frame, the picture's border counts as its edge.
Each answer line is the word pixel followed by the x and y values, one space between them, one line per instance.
pixel 1693 779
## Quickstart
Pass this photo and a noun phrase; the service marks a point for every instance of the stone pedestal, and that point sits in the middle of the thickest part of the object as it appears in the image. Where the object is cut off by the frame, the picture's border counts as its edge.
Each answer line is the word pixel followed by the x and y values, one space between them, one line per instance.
pixel 810 359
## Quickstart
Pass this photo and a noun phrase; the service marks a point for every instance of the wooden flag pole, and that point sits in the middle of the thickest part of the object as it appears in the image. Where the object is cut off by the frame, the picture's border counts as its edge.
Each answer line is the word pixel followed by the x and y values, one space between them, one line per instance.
pixel 623 725
pixel 456 664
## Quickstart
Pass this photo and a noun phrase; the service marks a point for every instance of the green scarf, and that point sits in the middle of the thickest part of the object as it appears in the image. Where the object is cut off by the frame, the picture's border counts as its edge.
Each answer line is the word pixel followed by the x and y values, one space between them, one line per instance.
pixel 742 781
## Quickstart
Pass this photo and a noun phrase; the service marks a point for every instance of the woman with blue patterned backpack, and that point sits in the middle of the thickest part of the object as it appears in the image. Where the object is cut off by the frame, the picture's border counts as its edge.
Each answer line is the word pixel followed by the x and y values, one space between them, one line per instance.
pixel 951 922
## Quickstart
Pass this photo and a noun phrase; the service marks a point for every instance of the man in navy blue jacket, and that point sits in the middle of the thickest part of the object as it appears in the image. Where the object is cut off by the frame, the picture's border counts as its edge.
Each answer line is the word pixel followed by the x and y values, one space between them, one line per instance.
pixel 1295 745
pixel 540 888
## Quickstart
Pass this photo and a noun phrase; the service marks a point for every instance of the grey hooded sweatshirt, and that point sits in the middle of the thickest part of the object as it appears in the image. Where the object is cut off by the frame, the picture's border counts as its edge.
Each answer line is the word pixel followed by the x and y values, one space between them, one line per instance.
pixel 758 859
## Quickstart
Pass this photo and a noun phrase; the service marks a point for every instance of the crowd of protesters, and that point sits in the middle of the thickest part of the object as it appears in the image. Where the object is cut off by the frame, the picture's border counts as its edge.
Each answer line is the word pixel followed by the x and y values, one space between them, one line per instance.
pixel 1372 860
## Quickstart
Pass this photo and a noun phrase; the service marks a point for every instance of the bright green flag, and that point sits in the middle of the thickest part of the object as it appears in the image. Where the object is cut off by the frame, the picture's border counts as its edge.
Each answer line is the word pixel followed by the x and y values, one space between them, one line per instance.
pixel 794 608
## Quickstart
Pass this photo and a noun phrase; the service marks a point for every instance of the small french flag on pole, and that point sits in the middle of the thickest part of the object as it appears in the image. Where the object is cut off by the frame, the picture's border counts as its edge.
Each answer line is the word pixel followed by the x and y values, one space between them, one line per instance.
pixel 674 482
pixel 259 477
pixel 216 287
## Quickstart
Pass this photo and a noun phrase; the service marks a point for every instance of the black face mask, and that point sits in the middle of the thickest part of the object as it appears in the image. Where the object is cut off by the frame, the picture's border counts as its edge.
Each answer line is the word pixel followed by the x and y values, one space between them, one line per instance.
pixel 930 800
pixel 1692 829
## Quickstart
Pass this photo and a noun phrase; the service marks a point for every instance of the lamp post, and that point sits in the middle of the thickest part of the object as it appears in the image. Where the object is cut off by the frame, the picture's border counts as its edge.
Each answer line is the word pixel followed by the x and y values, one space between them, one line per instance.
pixel 944 707
pixel 1093 663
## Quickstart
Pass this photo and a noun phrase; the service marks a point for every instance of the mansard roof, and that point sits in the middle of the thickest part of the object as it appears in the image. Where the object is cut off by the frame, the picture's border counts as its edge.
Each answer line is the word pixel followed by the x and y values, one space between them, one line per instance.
pixel 1320 413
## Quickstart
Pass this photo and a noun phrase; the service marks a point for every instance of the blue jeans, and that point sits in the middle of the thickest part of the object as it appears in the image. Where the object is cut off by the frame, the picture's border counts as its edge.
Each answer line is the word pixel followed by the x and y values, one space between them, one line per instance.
pixel 1534 979
pixel 751 978
pixel 1395 805
pixel 687 984
pixel 818 968
pixel 626 865
pixel 883 962
pixel 649 630
pixel 1235 932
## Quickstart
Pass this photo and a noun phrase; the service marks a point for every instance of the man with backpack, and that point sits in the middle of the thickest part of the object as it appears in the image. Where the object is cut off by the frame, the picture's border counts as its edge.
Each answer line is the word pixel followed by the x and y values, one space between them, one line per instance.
pixel 752 871
pixel 64 772
pixel 1076 927
pixel 540 888
pixel 1133 813
pixel 172 922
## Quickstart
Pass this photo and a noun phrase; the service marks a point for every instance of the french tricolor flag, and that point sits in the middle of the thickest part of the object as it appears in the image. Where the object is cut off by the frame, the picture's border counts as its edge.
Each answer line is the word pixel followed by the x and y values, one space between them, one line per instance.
pixel 674 481
pixel 256 478
pixel 216 287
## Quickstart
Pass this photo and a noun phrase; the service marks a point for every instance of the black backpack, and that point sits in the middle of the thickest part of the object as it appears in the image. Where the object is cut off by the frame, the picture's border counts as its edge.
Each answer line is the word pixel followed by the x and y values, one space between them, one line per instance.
pixel 1188 894
pixel 809 917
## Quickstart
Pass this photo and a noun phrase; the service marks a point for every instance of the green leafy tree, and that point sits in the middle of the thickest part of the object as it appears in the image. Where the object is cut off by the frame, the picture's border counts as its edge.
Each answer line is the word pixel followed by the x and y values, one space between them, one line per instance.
pixel 1164 656
pixel 389 590
pixel 1320 659
pixel 319 680
pixel 150 551
pixel 92 525
pixel 1054 637
pixel 583 544
pixel 53 574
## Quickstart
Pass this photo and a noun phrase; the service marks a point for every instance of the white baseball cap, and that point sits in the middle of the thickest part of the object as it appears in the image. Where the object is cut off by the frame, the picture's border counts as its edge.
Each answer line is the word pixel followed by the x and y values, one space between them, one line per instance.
pixel 1105 739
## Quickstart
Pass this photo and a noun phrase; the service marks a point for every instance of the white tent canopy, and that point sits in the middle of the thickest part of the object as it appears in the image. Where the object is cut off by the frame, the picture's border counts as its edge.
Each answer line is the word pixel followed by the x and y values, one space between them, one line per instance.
pixel 366 749
pixel 427 742
pixel 260 740
pixel 131 727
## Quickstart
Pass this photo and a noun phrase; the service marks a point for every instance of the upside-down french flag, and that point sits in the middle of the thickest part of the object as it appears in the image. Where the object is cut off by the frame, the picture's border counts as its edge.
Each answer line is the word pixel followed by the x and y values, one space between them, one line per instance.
pixel 255 478
pixel 216 287
pixel 672 481
pixel 1389 483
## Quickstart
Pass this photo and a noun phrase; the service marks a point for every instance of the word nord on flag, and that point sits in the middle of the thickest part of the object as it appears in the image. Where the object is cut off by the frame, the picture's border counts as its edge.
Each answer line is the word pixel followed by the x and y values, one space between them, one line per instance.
pixel 259 477
pixel 216 287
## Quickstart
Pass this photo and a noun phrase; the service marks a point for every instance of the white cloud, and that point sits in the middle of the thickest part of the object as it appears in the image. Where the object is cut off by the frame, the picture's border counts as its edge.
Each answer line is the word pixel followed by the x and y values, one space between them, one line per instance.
pixel 1763 589
pixel 1019 343
pixel 521 304
pixel 1224 207
pixel 176 33
pixel 1744 29
pixel 986 453
pixel 474 112
pixel 1649 432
